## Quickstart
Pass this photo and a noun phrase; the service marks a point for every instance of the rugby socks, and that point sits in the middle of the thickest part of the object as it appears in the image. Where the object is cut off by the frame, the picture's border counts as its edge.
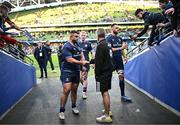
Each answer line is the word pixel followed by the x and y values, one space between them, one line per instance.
pixel 62 109
pixel 121 85
pixel 73 105
pixel 84 89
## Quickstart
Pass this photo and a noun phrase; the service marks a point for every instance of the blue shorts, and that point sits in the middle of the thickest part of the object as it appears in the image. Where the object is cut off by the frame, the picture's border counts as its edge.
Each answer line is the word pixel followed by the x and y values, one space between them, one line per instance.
pixel 118 64
pixel 73 77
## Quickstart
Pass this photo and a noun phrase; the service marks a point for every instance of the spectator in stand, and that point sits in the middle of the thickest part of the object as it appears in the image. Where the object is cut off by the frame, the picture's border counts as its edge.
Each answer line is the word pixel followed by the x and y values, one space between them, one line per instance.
pixel 165 26
pixel 175 12
pixel 5 8
pixel 22 54
pixel 165 5
pixel 149 19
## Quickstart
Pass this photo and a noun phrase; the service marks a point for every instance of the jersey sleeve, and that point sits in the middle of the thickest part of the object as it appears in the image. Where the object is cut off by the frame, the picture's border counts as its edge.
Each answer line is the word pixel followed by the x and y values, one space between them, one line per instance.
pixel 108 40
pixel 146 26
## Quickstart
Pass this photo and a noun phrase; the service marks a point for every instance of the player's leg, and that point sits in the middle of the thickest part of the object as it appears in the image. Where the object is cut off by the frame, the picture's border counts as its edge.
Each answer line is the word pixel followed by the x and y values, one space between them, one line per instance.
pixel 67 84
pixel 75 84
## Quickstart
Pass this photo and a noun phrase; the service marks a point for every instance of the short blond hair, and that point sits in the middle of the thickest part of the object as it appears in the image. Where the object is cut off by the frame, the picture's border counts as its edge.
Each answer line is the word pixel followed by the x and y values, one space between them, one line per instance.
pixel 83 32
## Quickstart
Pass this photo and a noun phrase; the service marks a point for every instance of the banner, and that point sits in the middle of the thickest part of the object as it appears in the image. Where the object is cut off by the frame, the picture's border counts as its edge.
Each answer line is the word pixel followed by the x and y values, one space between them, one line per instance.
pixel 157 71
pixel 16 78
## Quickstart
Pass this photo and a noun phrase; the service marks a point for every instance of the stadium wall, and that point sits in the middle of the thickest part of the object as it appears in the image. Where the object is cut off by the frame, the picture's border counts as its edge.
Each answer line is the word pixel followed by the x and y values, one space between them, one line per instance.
pixel 16 80
pixel 156 73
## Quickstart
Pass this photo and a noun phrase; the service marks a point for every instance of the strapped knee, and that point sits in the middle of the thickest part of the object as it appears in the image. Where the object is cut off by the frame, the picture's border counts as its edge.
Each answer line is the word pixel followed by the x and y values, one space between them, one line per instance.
pixel 120 74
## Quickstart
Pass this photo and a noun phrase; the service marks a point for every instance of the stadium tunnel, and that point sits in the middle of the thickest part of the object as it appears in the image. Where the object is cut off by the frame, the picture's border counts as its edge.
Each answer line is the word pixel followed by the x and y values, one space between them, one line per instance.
pixel 152 78
pixel 159 81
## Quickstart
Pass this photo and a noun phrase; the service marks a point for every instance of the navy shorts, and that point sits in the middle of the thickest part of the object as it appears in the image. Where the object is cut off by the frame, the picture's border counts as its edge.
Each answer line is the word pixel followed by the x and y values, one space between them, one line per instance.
pixel 118 64
pixel 73 77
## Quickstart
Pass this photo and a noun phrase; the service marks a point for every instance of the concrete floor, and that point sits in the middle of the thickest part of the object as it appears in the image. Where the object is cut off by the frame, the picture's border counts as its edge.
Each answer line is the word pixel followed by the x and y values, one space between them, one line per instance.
pixel 41 106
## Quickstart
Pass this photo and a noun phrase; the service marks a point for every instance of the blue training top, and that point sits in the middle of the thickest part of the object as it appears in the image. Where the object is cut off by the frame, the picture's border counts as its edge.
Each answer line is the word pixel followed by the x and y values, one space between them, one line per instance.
pixel 116 42
pixel 70 51
pixel 86 48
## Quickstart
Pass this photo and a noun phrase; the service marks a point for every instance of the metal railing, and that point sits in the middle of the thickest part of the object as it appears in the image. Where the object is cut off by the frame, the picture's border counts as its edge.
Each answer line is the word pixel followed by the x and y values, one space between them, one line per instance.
pixel 139 48
pixel 15 52
pixel 144 44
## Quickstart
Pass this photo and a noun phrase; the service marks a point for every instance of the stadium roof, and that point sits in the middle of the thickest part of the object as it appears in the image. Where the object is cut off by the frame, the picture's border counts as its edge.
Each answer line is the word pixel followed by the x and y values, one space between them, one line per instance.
pixel 21 5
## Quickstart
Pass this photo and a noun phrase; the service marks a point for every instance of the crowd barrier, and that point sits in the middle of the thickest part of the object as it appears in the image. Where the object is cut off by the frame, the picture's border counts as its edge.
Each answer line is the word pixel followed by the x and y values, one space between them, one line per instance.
pixel 16 79
pixel 156 72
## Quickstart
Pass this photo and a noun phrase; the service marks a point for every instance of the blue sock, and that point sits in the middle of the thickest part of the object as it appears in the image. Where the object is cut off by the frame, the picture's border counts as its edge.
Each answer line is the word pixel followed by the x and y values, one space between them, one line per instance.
pixel 122 86
pixel 84 89
pixel 62 109
pixel 73 105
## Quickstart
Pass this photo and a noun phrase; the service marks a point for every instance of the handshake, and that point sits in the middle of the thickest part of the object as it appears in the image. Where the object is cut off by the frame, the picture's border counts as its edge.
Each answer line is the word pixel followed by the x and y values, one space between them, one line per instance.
pixel 92 61
pixel 84 62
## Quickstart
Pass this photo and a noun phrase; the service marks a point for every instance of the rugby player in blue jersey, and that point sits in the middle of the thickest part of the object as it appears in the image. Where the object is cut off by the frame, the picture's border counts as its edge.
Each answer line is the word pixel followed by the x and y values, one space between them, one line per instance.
pixel 118 46
pixel 86 49
pixel 72 58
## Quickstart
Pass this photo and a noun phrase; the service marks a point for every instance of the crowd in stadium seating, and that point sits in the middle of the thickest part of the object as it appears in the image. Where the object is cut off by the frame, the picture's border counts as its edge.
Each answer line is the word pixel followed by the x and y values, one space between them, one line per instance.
pixel 79 13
